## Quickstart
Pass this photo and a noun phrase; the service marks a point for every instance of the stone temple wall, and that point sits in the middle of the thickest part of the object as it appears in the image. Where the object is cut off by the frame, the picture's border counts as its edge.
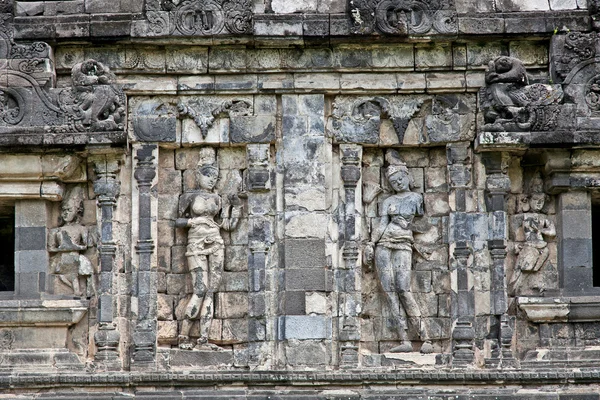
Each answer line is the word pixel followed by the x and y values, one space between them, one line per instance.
pixel 319 199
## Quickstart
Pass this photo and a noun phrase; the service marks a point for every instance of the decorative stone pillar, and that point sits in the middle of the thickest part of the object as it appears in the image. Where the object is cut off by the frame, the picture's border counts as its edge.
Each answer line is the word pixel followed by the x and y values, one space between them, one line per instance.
pixel 497 187
pixel 347 276
pixel 144 335
pixel 107 189
pixel 260 215
pixel 459 174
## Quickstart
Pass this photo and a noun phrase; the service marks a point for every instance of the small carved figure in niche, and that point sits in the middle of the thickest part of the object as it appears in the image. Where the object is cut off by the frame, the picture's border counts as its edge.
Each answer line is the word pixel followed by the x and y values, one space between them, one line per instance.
pixel 534 253
pixel 391 250
pixel 68 242
pixel 205 248
pixel 99 105
pixel 508 97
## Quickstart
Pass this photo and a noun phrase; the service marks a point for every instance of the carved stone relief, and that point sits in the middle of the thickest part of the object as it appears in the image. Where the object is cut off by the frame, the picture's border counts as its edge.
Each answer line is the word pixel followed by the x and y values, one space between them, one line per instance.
pixel 402 119
pixel 510 103
pixel 69 243
pixel 403 17
pixel 532 250
pixel 199 18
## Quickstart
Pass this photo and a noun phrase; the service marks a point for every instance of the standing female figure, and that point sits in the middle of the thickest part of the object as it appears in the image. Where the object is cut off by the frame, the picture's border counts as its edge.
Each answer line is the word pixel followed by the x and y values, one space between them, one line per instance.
pixel 393 240
pixel 205 247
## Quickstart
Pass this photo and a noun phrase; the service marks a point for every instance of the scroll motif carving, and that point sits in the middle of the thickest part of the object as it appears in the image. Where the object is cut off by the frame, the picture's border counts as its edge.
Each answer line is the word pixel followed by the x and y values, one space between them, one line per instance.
pixel 204 213
pixel 203 17
pixel 403 17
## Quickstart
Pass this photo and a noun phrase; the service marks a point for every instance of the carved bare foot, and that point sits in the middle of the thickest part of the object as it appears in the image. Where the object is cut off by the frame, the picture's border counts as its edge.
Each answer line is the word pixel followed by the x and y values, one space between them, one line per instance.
pixel 427 347
pixel 202 344
pixel 185 343
pixel 405 347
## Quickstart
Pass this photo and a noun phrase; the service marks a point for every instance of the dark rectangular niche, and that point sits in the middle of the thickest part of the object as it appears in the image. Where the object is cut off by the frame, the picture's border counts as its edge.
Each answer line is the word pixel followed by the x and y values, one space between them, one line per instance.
pixel 7 248
pixel 596 243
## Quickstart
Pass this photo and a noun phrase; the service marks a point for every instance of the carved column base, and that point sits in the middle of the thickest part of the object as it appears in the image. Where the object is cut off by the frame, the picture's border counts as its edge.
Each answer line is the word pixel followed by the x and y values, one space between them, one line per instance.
pixel 144 346
pixel 349 355
pixel 463 336
pixel 107 341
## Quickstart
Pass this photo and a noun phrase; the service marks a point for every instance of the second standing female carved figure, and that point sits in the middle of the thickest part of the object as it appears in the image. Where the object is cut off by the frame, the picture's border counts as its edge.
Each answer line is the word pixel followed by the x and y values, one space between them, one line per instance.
pixel 391 249
pixel 205 248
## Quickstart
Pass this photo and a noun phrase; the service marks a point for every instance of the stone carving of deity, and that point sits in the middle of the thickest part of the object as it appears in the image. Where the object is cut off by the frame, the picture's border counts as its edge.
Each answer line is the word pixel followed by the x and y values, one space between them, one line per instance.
pixel 391 248
pixel 68 242
pixel 204 213
pixel 533 253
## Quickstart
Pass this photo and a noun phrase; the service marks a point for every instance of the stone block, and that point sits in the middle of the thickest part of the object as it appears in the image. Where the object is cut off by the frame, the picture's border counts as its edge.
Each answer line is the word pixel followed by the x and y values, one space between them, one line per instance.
pixel 166 331
pixel 480 54
pixel 311 353
pixel 440 281
pixel 235 281
pixel 234 331
pixel 525 25
pixel 522 5
pixel 307 279
pixel 576 224
pixel 231 305
pixel 109 25
pixel 305 253
pixel 217 133
pixel 436 204
pixel 422 281
pixel 168 205
pixel 169 181
pixel 200 359
pixel 306 225
pixel 31 261
pixel 314 81
pixel 164 307
pixel 161 282
pixel 315 303
pixel 166 233
pixel 190 59
pixel 236 258
pixel 252 129
pixel 480 25
pixel 236 83
pixel 438 56
pixel 287 7
pixel 176 284
pixel 435 180
pixel 178 260
pixel 30 238
pixel 304 327
pixel 363 81
pixel 295 303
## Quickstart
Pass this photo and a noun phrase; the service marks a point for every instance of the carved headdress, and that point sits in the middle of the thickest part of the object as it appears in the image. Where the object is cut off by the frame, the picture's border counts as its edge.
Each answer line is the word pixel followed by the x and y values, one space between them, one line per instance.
pixel 207 161
pixel 395 163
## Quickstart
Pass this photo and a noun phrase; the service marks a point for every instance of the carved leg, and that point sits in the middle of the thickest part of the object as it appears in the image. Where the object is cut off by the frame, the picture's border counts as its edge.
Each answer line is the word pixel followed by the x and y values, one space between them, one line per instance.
pixel 194 305
pixel 402 261
pixel 387 280
pixel 213 280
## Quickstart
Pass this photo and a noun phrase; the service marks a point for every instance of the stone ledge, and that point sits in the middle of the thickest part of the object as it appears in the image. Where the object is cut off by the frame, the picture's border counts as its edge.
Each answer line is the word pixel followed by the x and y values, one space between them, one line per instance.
pixel 561 309
pixel 537 375
pixel 21 313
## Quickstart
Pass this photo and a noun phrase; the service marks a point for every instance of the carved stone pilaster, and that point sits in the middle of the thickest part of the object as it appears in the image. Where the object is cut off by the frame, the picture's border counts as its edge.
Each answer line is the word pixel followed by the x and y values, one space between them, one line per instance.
pixel 144 335
pixel 459 180
pixel 349 278
pixel 497 187
pixel 107 189
pixel 260 240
